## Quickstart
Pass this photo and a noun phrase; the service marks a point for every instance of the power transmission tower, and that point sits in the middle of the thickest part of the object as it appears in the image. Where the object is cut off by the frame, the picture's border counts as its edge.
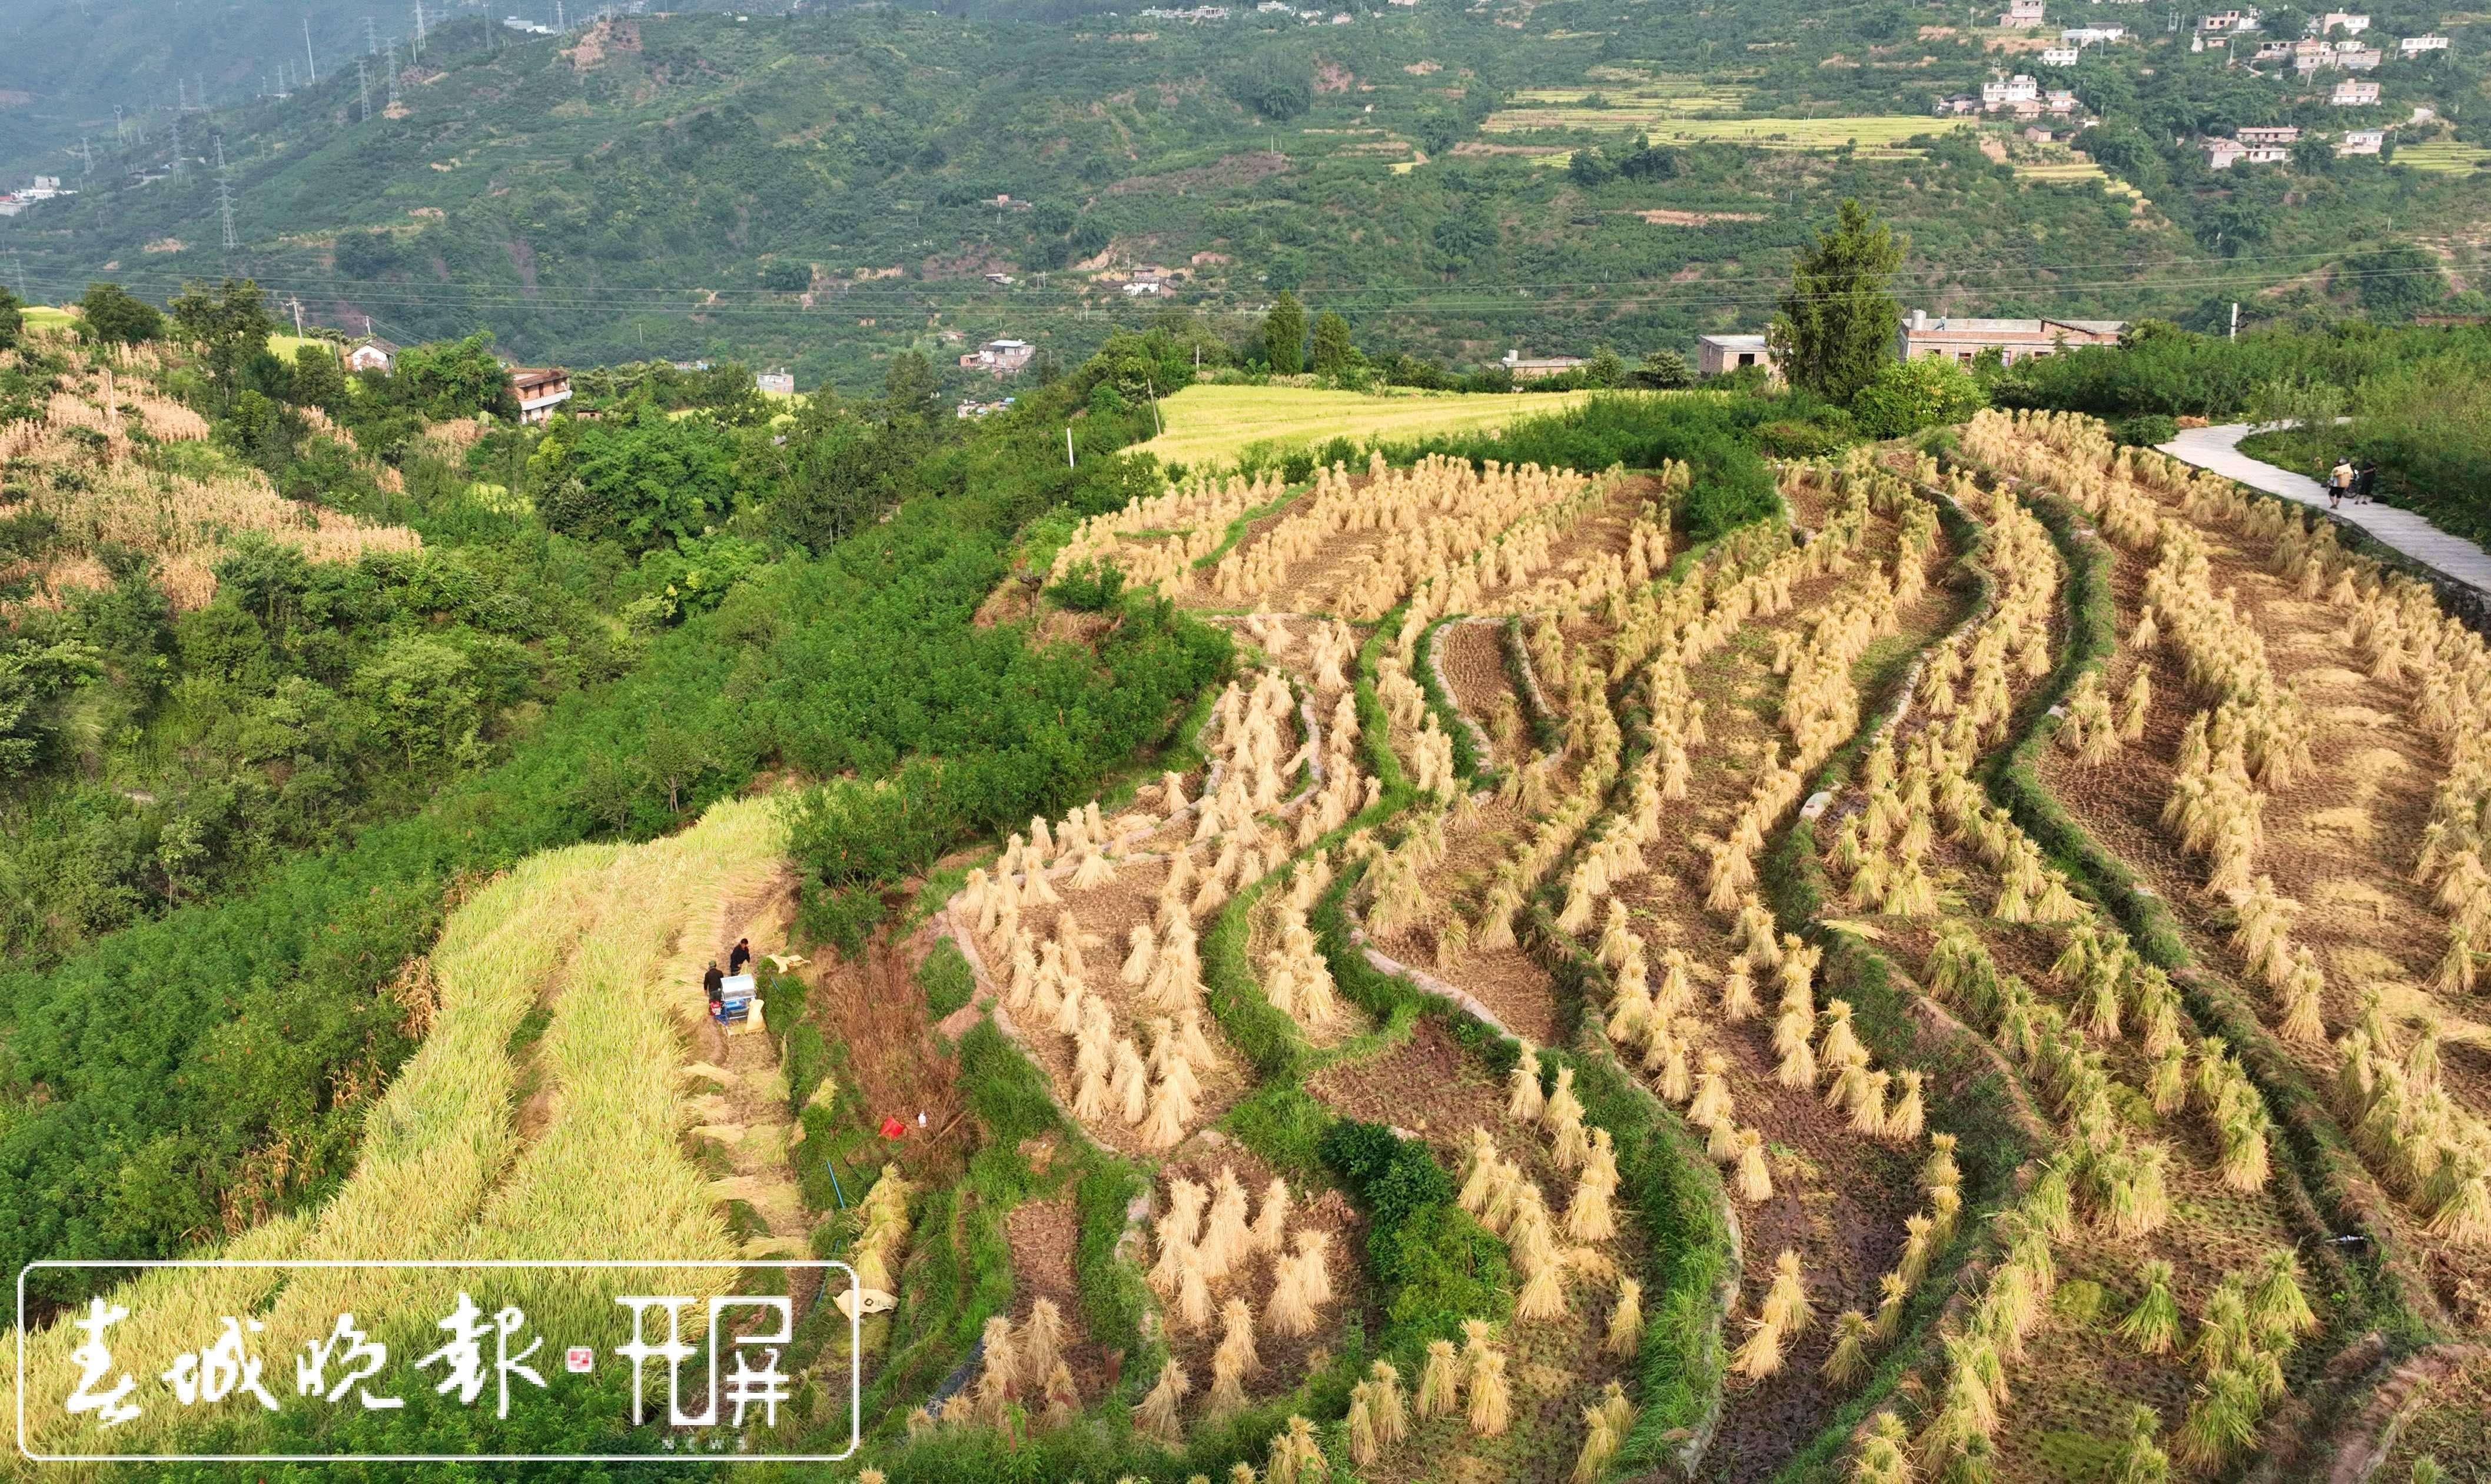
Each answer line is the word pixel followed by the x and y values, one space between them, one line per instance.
pixel 308 61
pixel 362 89
pixel 177 144
pixel 181 96
pixel 372 38
pixel 19 264
pixel 392 64
pixel 225 197
pixel 86 151
pixel 419 27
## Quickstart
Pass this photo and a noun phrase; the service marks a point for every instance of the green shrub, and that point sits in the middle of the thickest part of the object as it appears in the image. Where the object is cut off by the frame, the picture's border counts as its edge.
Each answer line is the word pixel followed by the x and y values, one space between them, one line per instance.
pixel 1090 586
pixel 2146 430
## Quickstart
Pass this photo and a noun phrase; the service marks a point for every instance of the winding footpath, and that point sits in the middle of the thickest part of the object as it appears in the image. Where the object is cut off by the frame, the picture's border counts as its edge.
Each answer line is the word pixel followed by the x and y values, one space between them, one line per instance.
pixel 2218 449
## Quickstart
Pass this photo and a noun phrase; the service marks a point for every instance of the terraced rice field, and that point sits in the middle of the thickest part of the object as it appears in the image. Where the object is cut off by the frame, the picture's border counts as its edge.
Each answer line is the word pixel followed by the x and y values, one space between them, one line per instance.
pixel 2443 156
pixel 1868 132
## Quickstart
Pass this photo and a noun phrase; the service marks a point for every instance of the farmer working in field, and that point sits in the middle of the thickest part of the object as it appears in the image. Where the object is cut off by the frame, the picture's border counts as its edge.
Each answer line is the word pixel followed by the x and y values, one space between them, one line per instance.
pixel 715 983
pixel 742 958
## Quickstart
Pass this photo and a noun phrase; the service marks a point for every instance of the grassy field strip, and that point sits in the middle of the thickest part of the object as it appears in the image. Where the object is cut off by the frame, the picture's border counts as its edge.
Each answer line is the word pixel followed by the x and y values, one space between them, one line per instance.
pixel 2069 168
pixel 612 933
pixel 1864 129
pixel 1216 422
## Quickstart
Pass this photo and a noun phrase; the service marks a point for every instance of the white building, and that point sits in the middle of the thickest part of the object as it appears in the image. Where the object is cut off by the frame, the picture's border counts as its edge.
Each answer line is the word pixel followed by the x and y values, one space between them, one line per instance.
pixel 2224 154
pixel 2363 141
pixel 2416 46
pixel 2059 56
pixel 999 357
pixel 2354 92
pixel 2093 36
pixel 1716 354
pixel 2007 92
pixel 2344 20
pixel 2021 15
pixel 777 383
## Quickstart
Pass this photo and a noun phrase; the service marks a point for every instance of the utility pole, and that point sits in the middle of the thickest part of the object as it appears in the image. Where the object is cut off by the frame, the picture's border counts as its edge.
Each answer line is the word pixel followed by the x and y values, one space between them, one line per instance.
pixel 2236 319
pixel 297 317
pixel 308 61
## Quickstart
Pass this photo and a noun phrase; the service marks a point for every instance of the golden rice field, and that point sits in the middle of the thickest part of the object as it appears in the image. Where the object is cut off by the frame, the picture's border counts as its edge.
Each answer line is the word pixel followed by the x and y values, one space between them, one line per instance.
pixel 2066 167
pixel 1685 97
pixel 1214 423
pixel 458 1158
pixel 2443 156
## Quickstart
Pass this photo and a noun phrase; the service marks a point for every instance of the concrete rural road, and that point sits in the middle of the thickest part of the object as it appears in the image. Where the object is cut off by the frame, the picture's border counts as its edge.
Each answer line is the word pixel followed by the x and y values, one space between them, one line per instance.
pixel 2218 449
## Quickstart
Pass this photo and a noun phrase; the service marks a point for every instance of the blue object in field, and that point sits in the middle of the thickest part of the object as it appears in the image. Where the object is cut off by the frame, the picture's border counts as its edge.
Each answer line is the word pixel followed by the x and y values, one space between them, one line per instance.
pixel 734 1006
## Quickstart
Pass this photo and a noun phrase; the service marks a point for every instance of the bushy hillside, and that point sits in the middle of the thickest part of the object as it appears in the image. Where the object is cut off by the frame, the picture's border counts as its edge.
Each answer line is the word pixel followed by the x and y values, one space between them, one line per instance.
pixel 822 188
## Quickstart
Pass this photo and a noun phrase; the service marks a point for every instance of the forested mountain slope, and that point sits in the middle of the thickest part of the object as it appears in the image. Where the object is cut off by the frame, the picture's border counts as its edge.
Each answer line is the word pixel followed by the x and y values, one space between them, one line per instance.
pixel 823 188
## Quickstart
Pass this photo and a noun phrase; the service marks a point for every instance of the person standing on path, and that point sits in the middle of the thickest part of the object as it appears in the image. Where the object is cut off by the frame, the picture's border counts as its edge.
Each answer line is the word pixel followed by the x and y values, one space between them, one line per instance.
pixel 2366 481
pixel 2339 479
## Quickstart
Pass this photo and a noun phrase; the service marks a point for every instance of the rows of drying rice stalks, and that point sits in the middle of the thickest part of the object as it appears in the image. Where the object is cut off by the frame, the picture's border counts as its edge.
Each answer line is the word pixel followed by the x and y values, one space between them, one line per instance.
pixel 2412 1126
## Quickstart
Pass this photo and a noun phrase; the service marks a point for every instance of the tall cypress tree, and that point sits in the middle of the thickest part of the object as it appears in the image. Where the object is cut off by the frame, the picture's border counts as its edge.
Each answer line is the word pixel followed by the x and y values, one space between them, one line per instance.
pixel 1285 335
pixel 1837 325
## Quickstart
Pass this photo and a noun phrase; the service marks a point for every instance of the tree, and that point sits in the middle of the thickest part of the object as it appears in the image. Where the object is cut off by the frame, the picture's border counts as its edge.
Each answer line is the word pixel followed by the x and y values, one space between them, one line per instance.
pixel 422 694
pixel 319 378
pixel 1334 352
pixel 1605 368
pixel 1837 325
pixel 115 316
pixel 1285 335
pixel 1908 395
pixel 453 378
pixel 12 318
pixel 1276 83
pixel 1664 371
pixel 228 321
pixel 909 390
pixel 2396 281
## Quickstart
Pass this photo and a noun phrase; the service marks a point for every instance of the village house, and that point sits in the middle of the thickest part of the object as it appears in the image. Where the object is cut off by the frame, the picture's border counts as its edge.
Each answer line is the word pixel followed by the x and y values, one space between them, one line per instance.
pixel 2061 100
pixel 2034 133
pixel 1958 103
pixel 2416 46
pixel 2267 134
pixel 999 357
pixel 779 383
pixel 2021 15
pixel 973 408
pixel 1716 354
pixel 1536 367
pixel 540 391
pixel 1145 288
pixel 2354 92
pixel 2059 56
pixel 999 280
pixel 2354 57
pixel 2224 154
pixel 2277 50
pixel 2227 22
pixel 2093 36
pixel 2014 339
pixel 2339 20
pixel 2309 54
pixel 2007 92
pixel 371 353
pixel 2363 141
